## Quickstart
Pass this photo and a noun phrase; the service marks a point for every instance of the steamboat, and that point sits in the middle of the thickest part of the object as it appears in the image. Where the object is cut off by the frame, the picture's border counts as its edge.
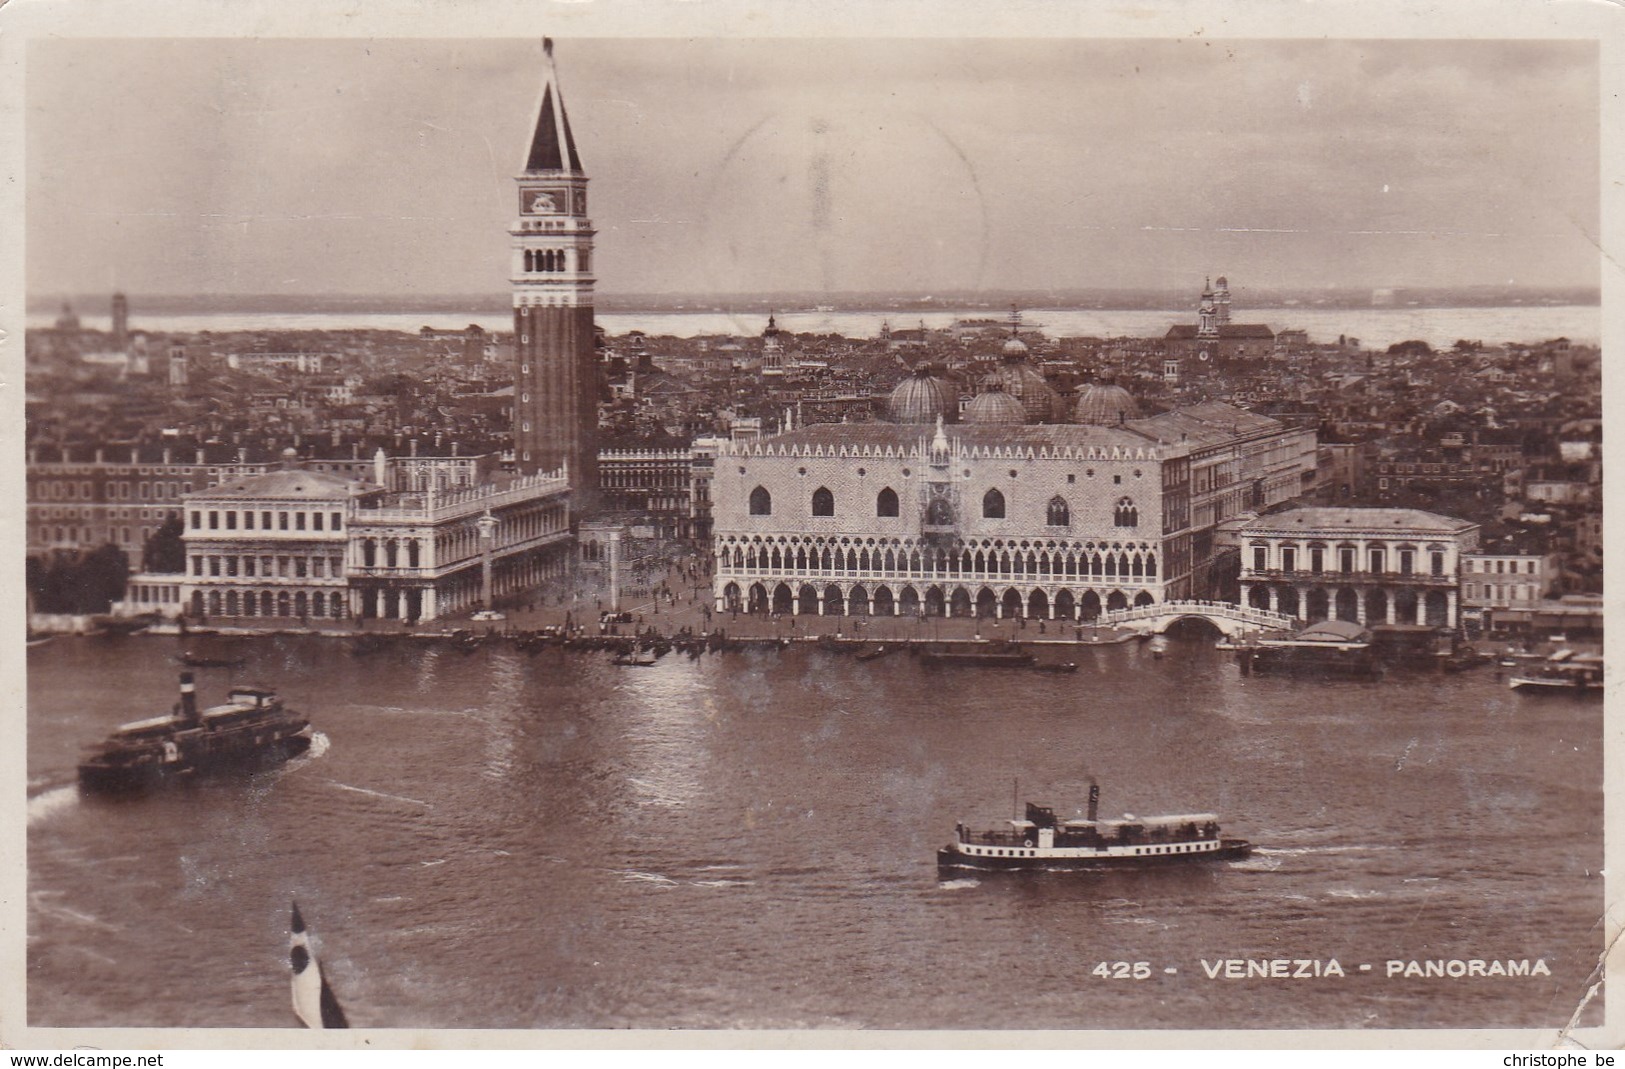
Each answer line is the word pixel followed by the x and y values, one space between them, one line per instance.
pixel 252 731
pixel 1041 840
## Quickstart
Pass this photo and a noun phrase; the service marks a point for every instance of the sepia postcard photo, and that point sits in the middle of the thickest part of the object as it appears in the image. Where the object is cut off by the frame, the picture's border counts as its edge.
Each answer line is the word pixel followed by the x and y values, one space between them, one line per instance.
pixel 941 522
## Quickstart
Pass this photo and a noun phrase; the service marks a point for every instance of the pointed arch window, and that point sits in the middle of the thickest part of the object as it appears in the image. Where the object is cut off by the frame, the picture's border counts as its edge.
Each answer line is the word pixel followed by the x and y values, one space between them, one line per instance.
pixel 761 502
pixel 993 505
pixel 1059 514
pixel 1126 514
pixel 886 502
pixel 823 502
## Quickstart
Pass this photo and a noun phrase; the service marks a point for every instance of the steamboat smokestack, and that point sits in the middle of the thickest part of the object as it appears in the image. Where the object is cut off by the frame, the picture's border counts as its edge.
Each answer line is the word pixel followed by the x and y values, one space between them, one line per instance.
pixel 188 699
pixel 1094 800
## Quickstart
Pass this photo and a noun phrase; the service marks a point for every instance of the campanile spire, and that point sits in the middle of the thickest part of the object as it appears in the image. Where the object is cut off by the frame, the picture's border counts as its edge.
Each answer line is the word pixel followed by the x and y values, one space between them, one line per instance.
pixel 556 372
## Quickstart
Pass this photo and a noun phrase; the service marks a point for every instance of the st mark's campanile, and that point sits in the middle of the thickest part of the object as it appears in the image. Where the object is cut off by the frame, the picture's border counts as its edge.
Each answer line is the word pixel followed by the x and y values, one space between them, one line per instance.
pixel 556 369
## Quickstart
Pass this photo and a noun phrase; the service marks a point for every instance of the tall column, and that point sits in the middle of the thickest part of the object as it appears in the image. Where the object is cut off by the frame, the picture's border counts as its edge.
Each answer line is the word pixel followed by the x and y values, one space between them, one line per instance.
pixel 1421 607
pixel 487 525
pixel 428 610
pixel 401 608
pixel 1450 608
pixel 1275 598
pixel 1359 604
pixel 615 571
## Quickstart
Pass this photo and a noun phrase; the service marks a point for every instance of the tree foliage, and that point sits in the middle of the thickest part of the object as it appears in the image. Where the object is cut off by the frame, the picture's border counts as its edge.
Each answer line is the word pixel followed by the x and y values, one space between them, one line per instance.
pixel 165 551
pixel 82 582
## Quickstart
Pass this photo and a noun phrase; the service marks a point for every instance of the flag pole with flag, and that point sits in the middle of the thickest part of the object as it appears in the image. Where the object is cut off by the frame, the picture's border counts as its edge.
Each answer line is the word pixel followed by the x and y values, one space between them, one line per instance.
pixel 313 1000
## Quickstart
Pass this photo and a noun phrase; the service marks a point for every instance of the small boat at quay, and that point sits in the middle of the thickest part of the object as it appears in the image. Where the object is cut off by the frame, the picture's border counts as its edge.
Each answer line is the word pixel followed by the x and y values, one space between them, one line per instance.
pixel 998 654
pixel 1330 648
pixel 192 660
pixel 252 731
pixel 1041 840
pixel 1564 672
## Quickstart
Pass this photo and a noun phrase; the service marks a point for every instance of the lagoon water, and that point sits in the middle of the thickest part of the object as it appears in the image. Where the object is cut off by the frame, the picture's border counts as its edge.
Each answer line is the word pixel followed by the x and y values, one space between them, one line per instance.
pixel 501 839
pixel 1375 327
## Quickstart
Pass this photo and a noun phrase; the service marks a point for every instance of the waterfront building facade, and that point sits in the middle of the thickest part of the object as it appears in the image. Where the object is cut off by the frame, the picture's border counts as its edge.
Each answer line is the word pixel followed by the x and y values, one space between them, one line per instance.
pixel 270 545
pixel 1058 521
pixel 150 594
pixel 310 545
pixel 1498 589
pixel 423 554
pixel 1364 565
pixel 556 380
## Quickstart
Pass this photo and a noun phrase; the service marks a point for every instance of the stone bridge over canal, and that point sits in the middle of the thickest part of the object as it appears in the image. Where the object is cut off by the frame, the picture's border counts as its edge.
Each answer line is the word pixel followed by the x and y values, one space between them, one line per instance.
pixel 1233 620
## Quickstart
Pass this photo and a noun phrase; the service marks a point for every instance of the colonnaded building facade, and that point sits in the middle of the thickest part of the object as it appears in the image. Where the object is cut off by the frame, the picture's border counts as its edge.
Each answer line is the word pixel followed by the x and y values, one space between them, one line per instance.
pixel 1371 566
pixel 307 544
pixel 997 516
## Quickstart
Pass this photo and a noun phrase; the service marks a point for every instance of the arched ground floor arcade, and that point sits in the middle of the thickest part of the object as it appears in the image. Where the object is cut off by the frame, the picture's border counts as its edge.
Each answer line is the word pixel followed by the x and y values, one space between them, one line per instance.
pixel 791 597
pixel 418 598
pixel 1362 604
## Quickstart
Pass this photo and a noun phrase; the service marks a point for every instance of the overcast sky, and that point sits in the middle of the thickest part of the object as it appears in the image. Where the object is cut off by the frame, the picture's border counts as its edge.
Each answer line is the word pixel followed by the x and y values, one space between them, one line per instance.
pixel 718 166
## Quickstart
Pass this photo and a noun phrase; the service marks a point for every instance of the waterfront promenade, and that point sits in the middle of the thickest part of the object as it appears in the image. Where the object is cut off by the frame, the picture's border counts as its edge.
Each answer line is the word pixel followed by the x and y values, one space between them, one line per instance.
pixel 682 601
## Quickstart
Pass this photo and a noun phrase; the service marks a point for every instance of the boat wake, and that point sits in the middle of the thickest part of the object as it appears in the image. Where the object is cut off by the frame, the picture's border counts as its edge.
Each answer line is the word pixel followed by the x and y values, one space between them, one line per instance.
pixel 42 904
pixel 1349 892
pixel 1296 850
pixel 962 884
pixel 1257 864
pixel 633 876
pixel 1143 922
pixel 721 883
pixel 47 804
pixel 381 794
pixel 319 745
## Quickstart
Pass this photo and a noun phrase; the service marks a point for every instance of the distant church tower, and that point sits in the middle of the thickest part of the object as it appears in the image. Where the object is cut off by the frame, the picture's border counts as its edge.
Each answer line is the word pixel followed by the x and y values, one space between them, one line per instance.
pixel 772 349
pixel 121 323
pixel 1207 314
pixel 1221 301
pixel 556 367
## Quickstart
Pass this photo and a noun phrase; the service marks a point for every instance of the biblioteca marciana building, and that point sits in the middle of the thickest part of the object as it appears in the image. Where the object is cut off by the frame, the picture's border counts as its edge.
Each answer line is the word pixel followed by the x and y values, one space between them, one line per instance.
pixel 997 516
pixel 307 544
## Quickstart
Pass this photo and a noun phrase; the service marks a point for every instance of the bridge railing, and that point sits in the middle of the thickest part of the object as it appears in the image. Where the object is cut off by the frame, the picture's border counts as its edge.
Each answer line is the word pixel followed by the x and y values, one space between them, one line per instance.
pixel 1224 609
